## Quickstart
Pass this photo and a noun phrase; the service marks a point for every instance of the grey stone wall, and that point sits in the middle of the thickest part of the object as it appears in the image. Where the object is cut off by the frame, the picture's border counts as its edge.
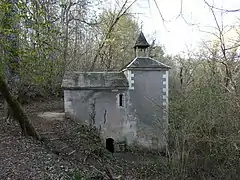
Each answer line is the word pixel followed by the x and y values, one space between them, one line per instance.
pixel 148 106
pixel 101 108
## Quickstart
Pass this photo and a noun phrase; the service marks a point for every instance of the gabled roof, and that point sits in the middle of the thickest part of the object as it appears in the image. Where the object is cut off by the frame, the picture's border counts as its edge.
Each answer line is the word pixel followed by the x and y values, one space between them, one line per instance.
pixel 146 63
pixel 95 80
pixel 141 41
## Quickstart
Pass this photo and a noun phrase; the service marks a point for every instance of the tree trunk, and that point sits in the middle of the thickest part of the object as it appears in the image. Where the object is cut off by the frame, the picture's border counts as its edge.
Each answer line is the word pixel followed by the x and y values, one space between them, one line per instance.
pixel 18 113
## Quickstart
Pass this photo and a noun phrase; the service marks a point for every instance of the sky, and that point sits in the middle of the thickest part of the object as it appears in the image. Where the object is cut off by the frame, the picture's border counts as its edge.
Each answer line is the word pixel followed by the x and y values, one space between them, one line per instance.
pixel 176 35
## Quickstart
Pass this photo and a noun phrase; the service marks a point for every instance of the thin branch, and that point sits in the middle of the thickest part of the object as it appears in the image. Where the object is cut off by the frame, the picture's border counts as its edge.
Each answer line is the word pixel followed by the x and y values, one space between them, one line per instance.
pixel 159 11
pixel 83 21
pixel 210 33
pixel 221 9
pixel 181 15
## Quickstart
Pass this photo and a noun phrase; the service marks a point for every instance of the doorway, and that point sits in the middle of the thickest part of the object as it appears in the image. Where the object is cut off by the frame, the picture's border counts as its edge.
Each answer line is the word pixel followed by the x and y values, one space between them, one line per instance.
pixel 110 144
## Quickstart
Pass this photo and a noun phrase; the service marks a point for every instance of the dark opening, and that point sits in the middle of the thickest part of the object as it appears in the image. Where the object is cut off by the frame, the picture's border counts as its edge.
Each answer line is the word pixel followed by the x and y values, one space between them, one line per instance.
pixel 110 144
pixel 121 100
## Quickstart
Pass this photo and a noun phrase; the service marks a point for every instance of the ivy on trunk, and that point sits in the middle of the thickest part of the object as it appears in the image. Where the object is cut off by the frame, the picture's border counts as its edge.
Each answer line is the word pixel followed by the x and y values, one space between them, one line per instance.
pixel 18 113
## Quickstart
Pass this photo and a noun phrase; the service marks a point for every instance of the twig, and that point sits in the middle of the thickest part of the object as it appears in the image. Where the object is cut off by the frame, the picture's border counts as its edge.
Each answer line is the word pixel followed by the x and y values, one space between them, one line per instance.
pixel 71 152
pixel 44 133
pixel 109 173
pixel 63 148
pixel 53 139
pixel 98 170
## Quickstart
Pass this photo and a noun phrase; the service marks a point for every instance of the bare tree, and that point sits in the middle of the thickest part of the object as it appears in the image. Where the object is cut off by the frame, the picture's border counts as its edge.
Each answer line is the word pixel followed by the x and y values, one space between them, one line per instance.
pixel 227 51
pixel 123 10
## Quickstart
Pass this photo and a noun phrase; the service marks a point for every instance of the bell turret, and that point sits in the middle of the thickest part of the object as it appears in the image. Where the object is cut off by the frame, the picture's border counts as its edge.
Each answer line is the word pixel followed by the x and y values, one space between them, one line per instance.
pixel 141 46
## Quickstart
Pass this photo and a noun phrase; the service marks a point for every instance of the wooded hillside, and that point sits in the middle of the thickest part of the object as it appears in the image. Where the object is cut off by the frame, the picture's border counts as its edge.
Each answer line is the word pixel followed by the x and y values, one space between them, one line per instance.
pixel 42 39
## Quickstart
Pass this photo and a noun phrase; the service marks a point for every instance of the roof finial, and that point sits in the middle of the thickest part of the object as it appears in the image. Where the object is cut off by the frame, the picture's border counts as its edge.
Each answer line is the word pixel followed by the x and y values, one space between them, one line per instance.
pixel 141 26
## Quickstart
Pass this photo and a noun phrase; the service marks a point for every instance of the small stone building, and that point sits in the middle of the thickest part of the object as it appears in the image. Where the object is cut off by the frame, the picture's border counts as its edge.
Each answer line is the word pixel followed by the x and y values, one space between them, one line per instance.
pixel 130 105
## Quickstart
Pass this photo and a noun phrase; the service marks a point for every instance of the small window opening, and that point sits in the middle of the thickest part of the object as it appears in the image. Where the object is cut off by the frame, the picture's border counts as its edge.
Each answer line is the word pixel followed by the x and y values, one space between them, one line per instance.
pixel 121 100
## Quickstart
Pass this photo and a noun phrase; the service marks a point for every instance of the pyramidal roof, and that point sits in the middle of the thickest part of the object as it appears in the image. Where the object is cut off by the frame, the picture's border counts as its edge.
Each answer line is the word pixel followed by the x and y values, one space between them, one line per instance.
pixel 141 41
pixel 146 63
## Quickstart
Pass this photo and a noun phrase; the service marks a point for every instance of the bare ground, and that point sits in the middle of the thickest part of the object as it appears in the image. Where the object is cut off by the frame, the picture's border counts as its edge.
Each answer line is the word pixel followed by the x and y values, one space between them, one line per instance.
pixel 70 150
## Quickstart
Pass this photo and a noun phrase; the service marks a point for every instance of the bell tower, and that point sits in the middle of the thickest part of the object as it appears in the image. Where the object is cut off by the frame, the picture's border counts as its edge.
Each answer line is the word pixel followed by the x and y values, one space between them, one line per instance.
pixel 141 46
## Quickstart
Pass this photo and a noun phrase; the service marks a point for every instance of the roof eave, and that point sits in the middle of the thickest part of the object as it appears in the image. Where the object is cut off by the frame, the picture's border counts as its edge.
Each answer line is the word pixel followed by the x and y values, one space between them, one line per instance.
pixel 94 88
pixel 141 46
pixel 129 65
pixel 148 68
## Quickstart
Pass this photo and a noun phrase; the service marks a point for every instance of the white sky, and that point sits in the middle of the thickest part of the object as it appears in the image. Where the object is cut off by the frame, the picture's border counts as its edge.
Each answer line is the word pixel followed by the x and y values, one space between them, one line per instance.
pixel 177 36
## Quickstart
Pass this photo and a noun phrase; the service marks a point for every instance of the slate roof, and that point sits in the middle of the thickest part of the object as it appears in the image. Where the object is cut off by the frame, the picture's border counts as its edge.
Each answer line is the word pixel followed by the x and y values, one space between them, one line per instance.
pixel 145 62
pixel 95 80
pixel 141 41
